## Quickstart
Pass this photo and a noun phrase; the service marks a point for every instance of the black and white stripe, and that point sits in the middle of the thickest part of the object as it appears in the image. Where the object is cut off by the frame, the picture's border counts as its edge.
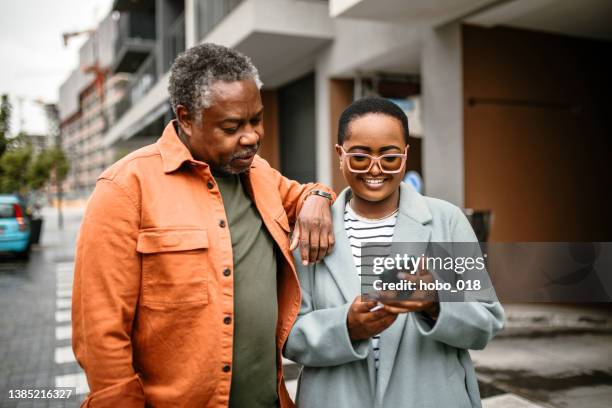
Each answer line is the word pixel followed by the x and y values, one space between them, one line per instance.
pixel 360 231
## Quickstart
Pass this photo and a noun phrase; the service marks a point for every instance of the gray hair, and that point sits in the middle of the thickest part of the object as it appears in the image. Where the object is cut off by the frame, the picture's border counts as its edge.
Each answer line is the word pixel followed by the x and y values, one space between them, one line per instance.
pixel 195 70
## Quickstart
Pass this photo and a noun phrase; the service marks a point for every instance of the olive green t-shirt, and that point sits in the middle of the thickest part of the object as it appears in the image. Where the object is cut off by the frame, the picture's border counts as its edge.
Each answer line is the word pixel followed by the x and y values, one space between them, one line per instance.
pixel 255 300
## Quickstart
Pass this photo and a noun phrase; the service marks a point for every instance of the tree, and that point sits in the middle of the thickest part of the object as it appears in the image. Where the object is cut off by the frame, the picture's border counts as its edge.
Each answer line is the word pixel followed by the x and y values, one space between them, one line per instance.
pixel 14 165
pixel 22 171
pixel 5 118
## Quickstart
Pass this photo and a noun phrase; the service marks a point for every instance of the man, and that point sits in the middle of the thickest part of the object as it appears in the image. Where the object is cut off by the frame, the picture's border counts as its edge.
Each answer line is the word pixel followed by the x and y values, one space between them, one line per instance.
pixel 184 289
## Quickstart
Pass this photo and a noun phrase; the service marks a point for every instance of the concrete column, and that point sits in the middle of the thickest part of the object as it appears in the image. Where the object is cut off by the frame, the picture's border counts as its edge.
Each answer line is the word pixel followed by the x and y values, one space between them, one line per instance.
pixel 323 139
pixel 191 23
pixel 442 88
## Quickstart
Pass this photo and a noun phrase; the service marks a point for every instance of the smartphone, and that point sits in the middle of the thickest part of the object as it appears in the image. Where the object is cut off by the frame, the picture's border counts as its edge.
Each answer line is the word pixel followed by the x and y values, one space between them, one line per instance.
pixel 377 307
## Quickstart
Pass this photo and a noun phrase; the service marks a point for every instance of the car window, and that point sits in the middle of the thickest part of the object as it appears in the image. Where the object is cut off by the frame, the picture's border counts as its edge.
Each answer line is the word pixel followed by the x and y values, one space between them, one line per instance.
pixel 7 211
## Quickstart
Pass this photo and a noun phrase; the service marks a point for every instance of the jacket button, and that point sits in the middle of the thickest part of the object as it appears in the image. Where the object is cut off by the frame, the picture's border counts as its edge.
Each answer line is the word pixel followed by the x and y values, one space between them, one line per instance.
pixel 226 368
pixel 227 272
pixel 227 320
pixel 210 185
pixel 222 223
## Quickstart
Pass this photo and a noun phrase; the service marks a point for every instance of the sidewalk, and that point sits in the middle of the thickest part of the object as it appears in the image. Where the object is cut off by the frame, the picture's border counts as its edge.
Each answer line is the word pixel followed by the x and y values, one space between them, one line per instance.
pixel 548 355
pixel 533 319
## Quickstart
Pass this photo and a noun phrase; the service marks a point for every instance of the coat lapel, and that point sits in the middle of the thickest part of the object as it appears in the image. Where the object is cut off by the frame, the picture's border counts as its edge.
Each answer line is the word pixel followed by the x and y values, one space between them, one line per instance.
pixel 411 226
pixel 413 217
pixel 340 262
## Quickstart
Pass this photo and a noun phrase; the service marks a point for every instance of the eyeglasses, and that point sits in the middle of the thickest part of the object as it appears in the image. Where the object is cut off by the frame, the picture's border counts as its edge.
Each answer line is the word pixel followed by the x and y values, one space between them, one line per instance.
pixel 362 163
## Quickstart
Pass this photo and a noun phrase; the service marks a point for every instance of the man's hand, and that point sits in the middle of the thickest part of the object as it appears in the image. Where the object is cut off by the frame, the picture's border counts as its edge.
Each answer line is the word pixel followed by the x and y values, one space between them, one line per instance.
pixel 313 230
pixel 363 324
pixel 419 301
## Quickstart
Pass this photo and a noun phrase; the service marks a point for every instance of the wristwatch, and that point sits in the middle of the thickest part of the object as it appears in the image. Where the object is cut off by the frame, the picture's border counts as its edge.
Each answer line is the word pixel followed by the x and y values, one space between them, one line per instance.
pixel 322 194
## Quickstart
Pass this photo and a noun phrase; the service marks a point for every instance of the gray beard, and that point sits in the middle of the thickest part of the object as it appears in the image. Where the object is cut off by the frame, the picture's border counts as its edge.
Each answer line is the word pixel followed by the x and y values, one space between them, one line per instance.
pixel 226 170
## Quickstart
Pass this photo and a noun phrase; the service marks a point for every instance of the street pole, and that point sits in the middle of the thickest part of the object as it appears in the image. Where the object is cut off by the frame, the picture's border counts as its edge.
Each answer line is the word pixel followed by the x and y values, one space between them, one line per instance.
pixel 54 129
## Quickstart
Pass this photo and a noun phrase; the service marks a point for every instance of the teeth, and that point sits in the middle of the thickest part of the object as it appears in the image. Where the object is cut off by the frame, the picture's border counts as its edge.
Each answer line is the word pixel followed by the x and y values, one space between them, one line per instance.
pixel 374 181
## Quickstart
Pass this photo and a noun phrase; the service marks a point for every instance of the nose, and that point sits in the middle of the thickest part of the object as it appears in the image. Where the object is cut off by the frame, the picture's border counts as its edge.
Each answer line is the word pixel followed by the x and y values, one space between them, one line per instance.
pixel 250 137
pixel 375 170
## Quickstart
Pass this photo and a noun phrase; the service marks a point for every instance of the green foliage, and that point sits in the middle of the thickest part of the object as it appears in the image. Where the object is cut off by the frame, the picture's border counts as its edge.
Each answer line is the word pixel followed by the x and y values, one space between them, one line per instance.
pixel 39 170
pixel 14 165
pixel 5 117
pixel 20 168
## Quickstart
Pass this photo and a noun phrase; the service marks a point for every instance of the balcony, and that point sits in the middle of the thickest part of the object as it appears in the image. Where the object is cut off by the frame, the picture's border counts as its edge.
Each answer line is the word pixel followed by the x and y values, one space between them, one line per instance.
pixel 402 11
pixel 211 12
pixel 282 37
pixel 135 40
pixel 174 41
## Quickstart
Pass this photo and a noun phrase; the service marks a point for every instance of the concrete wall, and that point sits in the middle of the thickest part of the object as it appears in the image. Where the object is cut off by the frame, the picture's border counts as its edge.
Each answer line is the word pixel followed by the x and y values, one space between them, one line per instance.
pixel 443 114
pixel 269 149
pixel 537 134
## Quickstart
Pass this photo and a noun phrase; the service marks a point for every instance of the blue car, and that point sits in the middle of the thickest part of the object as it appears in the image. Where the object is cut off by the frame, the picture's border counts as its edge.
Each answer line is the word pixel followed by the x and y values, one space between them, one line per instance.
pixel 14 226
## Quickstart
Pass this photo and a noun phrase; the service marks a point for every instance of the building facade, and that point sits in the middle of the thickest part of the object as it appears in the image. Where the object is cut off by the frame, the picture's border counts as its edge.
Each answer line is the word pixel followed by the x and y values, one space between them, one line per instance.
pixel 497 93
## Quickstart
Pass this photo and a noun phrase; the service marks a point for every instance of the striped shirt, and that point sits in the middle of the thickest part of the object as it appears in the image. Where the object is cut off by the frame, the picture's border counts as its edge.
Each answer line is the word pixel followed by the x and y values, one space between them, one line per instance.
pixel 359 231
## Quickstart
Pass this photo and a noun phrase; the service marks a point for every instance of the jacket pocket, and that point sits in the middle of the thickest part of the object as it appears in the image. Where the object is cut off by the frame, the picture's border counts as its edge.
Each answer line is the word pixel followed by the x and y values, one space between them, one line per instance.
pixel 173 267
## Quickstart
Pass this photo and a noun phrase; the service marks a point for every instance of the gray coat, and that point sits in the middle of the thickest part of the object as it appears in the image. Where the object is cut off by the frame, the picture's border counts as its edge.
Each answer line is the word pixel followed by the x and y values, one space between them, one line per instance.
pixel 419 366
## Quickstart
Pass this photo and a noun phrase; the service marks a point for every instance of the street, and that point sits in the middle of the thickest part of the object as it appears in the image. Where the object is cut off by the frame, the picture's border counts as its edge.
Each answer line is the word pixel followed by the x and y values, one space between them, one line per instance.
pixel 567 365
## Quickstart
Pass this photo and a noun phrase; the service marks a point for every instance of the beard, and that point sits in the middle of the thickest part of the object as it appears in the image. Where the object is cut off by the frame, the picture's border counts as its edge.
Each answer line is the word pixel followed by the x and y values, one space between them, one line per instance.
pixel 229 169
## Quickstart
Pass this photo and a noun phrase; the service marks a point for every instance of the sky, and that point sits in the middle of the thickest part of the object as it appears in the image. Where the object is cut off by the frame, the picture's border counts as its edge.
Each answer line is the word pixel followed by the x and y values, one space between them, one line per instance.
pixel 33 59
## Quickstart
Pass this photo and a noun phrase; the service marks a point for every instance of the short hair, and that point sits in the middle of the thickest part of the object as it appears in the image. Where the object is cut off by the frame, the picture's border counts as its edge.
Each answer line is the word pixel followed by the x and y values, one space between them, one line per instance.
pixel 364 106
pixel 196 69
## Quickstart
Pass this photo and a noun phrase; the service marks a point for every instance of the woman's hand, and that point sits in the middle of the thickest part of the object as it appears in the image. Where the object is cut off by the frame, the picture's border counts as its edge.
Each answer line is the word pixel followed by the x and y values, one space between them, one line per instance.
pixel 363 324
pixel 420 300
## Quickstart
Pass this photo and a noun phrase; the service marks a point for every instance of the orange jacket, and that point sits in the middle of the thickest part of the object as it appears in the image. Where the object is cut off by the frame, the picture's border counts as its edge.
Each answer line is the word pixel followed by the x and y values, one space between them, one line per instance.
pixel 154 279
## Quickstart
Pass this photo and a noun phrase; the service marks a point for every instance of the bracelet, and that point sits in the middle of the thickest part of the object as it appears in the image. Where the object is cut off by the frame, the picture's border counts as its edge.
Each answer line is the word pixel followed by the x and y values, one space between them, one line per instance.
pixel 322 194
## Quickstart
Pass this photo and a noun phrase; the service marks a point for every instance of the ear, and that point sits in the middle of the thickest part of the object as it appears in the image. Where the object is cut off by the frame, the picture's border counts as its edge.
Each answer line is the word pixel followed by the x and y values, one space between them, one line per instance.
pixel 185 119
pixel 339 153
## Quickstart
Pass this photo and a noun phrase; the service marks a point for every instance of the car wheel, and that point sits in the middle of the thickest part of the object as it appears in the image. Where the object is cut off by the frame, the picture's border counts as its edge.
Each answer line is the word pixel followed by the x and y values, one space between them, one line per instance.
pixel 25 255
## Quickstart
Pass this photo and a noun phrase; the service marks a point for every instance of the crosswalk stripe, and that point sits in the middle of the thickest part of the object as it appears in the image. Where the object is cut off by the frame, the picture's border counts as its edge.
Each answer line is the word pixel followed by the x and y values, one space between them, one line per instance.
pixel 63 332
pixel 61 278
pixel 65 266
pixel 64 293
pixel 64 303
pixel 78 381
pixel 64 355
pixel 64 285
pixel 62 316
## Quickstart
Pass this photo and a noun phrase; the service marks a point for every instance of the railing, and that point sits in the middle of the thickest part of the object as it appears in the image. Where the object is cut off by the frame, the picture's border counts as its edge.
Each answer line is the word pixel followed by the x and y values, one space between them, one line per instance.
pixel 174 41
pixel 211 12
pixel 144 79
pixel 134 29
pixel 121 107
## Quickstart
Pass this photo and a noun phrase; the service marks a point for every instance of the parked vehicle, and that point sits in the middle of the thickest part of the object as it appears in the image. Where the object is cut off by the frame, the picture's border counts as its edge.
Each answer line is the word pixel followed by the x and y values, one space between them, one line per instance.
pixel 14 226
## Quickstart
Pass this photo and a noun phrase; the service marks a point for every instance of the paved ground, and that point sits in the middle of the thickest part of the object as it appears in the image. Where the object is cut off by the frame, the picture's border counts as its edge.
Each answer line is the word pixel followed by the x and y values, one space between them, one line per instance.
pixel 550 356
pixel 35 350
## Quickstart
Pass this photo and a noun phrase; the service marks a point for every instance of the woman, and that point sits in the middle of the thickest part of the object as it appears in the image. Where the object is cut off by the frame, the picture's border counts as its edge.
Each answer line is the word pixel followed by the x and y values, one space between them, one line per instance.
pixel 357 353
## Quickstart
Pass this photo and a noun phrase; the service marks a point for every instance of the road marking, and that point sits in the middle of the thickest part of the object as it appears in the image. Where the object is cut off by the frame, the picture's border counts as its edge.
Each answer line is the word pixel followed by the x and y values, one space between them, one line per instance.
pixel 64 355
pixel 64 285
pixel 63 332
pixel 78 381
pixel 64 277
pixel 64 293
pixel 63 303
pixel 62 316
pixel 65 267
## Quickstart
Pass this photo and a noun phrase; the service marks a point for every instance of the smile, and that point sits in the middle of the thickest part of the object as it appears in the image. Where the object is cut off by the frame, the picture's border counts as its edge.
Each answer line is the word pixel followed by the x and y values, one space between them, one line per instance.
pixel 374 181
